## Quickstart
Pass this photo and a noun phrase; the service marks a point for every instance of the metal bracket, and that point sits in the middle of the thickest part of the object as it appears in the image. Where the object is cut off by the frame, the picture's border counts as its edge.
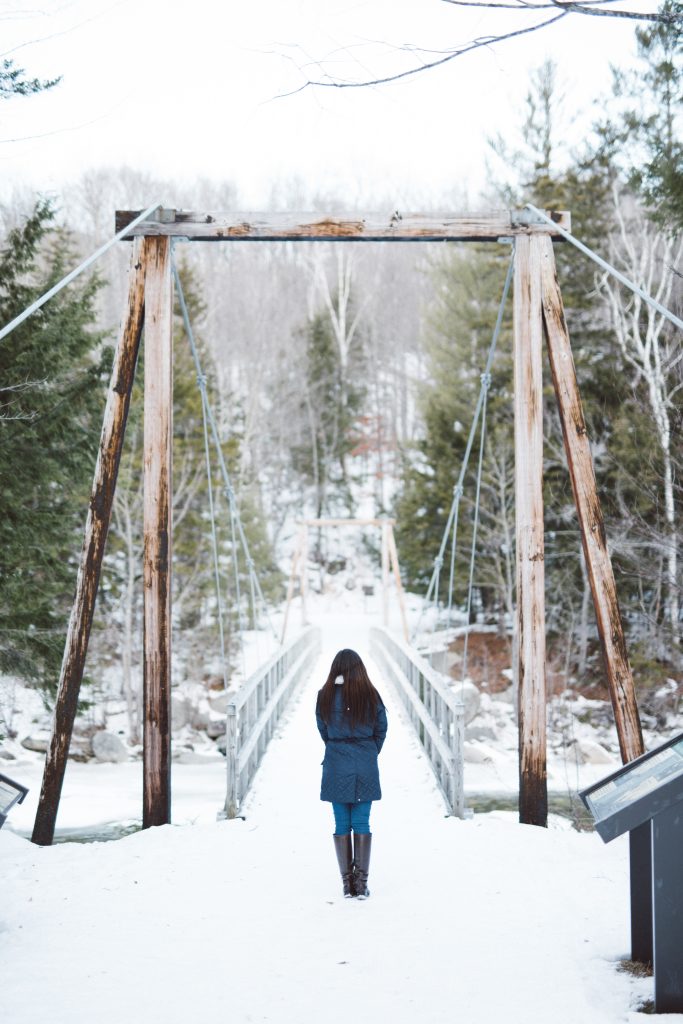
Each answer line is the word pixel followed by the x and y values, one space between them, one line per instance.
pixel 524 218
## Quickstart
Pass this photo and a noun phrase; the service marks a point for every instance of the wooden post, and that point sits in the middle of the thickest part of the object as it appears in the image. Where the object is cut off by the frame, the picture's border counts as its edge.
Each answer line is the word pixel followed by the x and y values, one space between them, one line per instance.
pixel 95 535
pixel 530 624
pixel 393 558
pixel 304 575
pixel 158 436
pixel 385 575
pixel 591 524
pixel 290 583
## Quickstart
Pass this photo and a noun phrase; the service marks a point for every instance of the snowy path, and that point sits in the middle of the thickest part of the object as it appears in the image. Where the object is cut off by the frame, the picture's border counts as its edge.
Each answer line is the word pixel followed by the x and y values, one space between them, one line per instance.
pixel 476 922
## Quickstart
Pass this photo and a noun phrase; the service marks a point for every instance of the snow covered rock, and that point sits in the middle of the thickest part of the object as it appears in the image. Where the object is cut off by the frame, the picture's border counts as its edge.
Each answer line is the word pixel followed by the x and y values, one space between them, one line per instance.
pixel 470 697
pixel 593 752
pixel 38 741
pixel 181 712
pixel 480 732
pixel 219 701
pixel 107 746
pixel 477 753
pixel 215 727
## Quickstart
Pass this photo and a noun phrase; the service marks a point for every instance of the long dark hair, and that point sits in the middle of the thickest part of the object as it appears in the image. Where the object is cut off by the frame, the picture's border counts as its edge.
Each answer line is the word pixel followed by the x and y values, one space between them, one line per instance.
pixel 361 699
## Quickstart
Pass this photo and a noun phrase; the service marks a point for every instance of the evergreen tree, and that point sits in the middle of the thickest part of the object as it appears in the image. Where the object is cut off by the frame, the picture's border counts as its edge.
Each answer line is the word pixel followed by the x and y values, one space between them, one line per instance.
pixel 13 81
pixel 330 404
pixel 53 369
pixel 646 138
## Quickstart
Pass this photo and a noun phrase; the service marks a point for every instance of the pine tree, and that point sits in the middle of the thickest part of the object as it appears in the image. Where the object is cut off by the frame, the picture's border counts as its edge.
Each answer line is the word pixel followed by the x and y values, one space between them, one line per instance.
pixel 53 369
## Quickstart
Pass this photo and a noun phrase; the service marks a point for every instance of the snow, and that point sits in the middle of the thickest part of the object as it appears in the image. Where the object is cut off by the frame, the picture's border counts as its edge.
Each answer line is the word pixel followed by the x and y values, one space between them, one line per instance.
pixel 481 921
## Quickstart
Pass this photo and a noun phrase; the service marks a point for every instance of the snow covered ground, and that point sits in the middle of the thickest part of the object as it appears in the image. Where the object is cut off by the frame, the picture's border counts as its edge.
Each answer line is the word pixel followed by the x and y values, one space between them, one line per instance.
pixel 481 921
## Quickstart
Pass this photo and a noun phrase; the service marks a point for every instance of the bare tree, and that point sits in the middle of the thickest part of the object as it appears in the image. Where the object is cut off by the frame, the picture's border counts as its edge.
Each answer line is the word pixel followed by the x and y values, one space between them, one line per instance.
pixel 650 257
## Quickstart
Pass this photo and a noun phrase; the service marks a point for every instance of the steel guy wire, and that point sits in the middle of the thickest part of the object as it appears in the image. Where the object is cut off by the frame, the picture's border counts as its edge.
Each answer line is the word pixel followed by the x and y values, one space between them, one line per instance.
pixel 72 275
pixel 457 490
pixel 486 383
pixel 235 520
pixel 608 267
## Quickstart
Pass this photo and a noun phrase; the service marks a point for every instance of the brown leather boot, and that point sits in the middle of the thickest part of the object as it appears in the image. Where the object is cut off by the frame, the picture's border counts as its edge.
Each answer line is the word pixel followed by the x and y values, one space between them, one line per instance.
pixel 342 847
pixel 362 844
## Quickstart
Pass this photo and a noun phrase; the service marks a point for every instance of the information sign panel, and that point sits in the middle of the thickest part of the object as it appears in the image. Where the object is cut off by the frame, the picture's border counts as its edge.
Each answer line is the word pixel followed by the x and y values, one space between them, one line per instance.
pixel 638 791
pixel 643 798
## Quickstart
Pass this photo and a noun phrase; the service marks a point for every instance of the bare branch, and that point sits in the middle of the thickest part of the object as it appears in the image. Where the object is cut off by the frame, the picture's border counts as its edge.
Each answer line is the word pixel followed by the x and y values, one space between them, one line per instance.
pixel 475 44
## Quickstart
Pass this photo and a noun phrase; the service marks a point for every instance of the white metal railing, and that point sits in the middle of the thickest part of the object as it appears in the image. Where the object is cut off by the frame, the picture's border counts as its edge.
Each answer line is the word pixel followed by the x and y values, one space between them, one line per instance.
pixel 437 715
pixel 256 708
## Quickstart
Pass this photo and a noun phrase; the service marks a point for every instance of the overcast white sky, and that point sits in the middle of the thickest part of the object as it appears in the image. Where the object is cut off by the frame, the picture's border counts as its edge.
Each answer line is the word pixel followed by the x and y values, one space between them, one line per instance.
pixel 187 88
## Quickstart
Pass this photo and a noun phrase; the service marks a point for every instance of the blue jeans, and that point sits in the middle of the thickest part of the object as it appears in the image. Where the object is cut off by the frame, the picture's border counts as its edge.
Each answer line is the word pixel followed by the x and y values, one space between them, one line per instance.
pixel 352 816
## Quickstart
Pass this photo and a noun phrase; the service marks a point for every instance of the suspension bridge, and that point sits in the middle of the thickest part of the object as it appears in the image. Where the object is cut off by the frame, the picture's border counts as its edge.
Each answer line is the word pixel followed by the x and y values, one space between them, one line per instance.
pixel 537 314
pixel 275 833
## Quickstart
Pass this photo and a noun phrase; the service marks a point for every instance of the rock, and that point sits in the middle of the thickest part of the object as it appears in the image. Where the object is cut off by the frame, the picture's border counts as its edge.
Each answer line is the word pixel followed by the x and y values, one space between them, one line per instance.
pixel 181 712
pixel 107 746
pixel 7 755
pixel 196 757
pixel 444 661
pixel 38 742
pixel 480 732
pixel 470 697
pixel 593 752
pixel 477 753
pixel 200 716
pixel 215 727
pixel 219 702
pixel 80 748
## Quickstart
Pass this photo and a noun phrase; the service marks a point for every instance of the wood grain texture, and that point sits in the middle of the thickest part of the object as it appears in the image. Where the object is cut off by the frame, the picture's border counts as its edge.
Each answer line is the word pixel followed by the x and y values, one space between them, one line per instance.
pixel 94 540
pixel 393 558
pixel 528 392
pixel 158 436
pixel 340 227
pixel 591 523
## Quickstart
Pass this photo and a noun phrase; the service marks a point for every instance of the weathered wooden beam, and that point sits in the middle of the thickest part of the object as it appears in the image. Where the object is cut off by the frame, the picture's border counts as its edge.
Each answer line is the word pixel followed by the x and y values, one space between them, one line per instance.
pixel 290 585
pixel 158 436
pixel 385 574
pixel 393 558
pixel 95 535
pixel 591 523
pixel 342 227
pixel 528 392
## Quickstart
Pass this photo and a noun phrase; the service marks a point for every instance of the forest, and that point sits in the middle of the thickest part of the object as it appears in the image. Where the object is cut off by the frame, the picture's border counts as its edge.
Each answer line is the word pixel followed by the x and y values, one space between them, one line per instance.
pixel 344 381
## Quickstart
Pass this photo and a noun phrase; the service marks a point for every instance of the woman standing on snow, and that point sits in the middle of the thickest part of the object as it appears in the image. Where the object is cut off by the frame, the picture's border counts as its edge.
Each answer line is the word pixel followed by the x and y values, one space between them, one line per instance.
pixel 352 721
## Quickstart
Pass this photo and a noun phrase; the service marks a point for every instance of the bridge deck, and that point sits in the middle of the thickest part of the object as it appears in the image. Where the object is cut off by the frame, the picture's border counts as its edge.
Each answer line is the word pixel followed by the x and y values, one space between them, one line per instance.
pixel 477 922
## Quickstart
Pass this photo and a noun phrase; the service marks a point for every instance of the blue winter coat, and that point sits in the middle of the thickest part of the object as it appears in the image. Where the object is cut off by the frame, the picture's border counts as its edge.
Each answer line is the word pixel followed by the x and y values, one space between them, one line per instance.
pixel 350 773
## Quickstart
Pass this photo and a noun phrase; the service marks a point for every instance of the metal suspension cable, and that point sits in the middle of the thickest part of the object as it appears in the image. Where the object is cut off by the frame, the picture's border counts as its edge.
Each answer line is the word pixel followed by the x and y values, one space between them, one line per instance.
pixel 433 588
pixel 486 384
pixel 74 273
pixel 201 382
pixel 666 313
pixel 236 522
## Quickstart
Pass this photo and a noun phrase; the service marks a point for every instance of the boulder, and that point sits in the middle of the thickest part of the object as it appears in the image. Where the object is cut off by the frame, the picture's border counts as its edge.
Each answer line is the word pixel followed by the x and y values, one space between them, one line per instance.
pixel 593 752
pixel 215 727
pixel 181 712
pixel 7 755
pixel 38 741
pixel 477 753
pixel 80 748
pixel 470 697
pixel 107 746
pixel 480 732
pixel 219 701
